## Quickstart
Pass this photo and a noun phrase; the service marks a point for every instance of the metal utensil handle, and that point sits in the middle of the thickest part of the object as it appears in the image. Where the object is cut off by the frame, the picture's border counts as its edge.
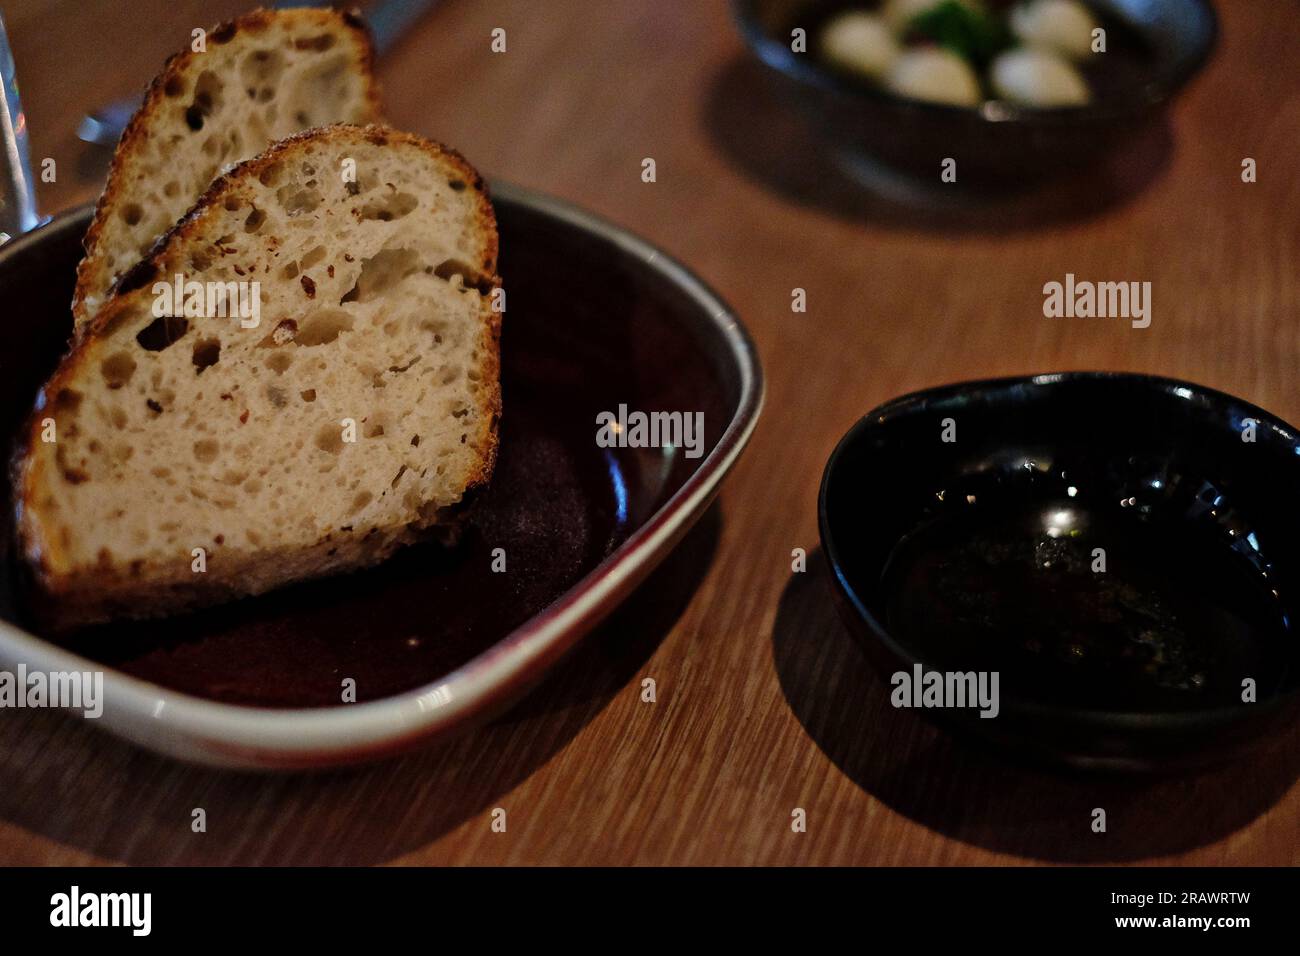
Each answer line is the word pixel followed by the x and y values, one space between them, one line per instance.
pixel 390 19
pixel 17 185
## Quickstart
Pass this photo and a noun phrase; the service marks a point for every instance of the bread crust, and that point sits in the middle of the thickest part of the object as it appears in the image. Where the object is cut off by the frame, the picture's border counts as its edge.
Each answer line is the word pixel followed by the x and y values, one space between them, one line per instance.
pixel 137 131
pixel 70 596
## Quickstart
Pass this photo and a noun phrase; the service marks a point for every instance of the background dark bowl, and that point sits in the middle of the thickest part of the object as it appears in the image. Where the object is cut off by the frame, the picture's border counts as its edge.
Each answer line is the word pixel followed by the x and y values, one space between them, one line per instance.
pixel 1111 432
pixel 999 143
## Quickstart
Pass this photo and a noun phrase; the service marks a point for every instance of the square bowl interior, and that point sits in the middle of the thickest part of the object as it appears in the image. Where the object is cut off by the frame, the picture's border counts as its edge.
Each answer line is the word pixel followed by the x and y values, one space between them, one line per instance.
pixel 594 319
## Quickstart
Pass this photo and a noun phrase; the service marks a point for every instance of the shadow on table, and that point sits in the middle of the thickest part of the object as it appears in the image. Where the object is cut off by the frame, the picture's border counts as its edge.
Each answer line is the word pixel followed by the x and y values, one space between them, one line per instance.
pixel 768 141
pixel 91 791
pixel 969 794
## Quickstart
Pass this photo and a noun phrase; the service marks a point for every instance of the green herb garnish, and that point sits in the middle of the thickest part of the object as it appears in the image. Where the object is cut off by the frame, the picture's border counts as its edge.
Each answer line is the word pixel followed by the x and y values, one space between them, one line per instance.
pixel 970 33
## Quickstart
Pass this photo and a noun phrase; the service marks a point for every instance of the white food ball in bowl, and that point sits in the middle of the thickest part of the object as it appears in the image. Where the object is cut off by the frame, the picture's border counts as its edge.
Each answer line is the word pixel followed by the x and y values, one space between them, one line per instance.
pixel 935 75
pixel 1038 78
pixel 860 42
pixel 1064 26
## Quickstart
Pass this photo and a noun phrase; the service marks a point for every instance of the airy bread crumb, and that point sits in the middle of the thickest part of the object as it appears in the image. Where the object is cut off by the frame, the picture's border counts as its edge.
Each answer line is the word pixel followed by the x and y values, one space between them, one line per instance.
pixel 187 432
pixel 260 78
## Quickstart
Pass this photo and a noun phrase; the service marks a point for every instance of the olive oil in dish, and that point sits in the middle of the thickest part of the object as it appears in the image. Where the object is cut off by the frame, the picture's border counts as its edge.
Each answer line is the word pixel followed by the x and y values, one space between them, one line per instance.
pixel 1085 604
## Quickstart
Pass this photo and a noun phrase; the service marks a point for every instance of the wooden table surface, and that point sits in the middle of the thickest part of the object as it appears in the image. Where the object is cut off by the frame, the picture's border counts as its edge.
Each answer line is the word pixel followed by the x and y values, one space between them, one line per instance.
pixel 763 704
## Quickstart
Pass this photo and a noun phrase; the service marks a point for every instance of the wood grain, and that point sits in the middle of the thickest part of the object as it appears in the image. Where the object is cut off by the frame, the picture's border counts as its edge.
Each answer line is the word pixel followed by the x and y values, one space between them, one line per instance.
pixel 763 704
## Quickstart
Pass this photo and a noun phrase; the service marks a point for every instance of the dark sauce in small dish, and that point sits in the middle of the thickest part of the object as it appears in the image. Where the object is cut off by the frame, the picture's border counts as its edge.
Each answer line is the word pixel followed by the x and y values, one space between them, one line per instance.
pixel 1085 603
pixel 1121 549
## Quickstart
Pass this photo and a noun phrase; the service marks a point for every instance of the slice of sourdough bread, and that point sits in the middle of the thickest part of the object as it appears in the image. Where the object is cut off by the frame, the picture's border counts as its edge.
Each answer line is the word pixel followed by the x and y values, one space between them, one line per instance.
pixel 259 79
pixel 178 461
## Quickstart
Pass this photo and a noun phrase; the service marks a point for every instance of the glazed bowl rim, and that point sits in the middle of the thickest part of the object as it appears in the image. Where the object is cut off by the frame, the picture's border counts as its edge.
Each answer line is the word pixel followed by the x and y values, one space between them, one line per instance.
pixel 242 735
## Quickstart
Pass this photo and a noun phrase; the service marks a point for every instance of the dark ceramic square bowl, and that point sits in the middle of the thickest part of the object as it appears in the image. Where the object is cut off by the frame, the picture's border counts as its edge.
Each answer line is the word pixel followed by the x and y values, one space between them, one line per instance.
pixel 1122 550
pixel 433 639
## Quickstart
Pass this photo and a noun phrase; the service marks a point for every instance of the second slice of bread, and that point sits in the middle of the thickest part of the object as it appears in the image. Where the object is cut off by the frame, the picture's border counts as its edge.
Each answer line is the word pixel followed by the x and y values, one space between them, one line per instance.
pixel 195 460
pixel 258 79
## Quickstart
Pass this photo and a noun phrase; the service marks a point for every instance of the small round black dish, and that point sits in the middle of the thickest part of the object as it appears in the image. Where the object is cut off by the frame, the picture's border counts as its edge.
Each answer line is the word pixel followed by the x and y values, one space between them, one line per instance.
pixel 1120 549
pixel 1154 48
